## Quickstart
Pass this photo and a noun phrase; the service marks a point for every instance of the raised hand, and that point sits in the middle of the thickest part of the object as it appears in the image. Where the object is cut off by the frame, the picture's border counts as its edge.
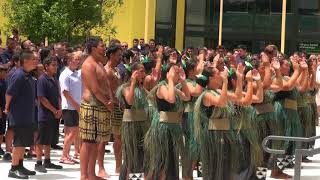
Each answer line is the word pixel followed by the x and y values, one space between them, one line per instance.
pixel 224 74
pixel 265 59
pixel 135 76
pixel 303 65
pixel 255 75
pixel 275 64
pixel 240 70
pixel 249 76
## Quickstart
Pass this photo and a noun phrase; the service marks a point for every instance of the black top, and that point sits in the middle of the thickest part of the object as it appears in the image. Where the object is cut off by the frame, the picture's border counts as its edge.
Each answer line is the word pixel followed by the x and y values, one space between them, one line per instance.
pixel 47 87
pixel 163 105
pixel 283 95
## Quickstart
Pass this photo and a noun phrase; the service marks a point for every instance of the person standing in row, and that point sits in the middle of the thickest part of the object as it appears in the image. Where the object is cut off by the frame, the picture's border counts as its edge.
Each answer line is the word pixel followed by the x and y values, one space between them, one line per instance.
pixel 20 108
pixel 95 108
pixel 71 86
pixel 49 114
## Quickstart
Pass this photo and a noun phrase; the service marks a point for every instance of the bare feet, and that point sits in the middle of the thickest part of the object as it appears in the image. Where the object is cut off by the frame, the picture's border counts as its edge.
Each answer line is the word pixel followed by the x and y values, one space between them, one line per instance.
pixel 95 178
pixel 278 174
pixel 103 174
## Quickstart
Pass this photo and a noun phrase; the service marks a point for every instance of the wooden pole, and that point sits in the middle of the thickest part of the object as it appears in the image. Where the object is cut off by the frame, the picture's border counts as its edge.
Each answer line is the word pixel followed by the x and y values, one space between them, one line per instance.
pixel 283 25
pixel 146 19
pixel 220 22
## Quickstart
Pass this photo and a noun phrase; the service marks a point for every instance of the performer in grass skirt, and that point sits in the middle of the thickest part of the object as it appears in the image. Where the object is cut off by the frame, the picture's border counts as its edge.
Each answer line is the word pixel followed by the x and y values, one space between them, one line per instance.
pixel 287 117
pixel 244 129
pixel 164 138
pixel 190 149
pixel 263 113
pixel 135 122
pixel 311 96
pixel 212 126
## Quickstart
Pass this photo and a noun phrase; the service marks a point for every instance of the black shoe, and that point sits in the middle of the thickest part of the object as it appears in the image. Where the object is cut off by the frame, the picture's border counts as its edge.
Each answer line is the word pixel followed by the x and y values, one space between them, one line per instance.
pixel 28 155
pixel 40 168
pixel 25 171
pixel 17 175
pixel 1 152
pixel 52 166
pixel 7 157
pixel 56 147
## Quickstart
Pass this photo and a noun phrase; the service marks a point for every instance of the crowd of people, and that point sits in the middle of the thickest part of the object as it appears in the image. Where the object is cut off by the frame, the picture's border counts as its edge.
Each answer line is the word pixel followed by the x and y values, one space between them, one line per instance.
pixel 211 107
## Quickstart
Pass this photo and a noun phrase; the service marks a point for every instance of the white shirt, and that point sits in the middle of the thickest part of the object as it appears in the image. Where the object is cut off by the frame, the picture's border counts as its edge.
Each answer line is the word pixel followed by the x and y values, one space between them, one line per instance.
pixel 71 82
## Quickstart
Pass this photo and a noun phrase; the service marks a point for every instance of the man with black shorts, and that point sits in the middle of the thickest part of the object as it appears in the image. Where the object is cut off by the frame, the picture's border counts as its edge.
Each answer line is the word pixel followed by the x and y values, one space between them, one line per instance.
pixel 20 108
pixel 9 133
pixel 49 114
pixel 71 85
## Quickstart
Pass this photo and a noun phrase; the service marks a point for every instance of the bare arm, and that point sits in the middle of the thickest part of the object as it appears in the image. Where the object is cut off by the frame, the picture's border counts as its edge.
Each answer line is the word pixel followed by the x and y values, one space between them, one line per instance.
pixel 129 91
pixel 167 92
pixel 194 90
pixel 45 102
pixel 258 97
pixel 8 102
pixel 277 83
pixel 184 94
pixel 70 99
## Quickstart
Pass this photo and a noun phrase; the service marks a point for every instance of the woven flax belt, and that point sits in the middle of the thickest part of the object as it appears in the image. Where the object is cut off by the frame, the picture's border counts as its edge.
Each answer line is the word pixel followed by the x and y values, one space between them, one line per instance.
pixel 219 124
pixel 130 115
pixel 170 117
pixel 264 108
pixel 290 104
pixel 311 99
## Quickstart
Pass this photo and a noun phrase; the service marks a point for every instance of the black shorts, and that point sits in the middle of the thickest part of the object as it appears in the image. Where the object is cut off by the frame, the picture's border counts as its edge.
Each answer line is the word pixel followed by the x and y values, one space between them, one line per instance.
pixel 22 136
pixel 48 132
pixel 3 125
pixel 70 118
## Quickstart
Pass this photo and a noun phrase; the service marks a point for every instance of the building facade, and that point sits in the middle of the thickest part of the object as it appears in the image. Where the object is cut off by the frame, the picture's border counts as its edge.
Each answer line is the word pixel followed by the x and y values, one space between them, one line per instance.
pixel 184 23
pixel 255 23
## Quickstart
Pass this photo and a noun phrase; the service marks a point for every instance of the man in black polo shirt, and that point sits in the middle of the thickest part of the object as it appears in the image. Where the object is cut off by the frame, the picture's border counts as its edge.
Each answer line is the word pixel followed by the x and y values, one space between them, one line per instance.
pixel 49 114
pixel 20 105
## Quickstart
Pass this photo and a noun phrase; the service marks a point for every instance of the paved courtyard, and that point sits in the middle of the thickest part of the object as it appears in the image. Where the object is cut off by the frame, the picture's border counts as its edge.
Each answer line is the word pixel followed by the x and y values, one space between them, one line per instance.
pixel 310 171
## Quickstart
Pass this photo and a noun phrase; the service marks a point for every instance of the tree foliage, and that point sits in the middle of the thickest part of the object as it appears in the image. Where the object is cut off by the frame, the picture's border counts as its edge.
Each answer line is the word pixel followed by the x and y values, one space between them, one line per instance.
pixel 60 20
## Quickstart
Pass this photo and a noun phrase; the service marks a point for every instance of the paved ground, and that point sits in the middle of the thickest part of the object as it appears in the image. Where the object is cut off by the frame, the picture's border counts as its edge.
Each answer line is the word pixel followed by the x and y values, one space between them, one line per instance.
pixel 310 171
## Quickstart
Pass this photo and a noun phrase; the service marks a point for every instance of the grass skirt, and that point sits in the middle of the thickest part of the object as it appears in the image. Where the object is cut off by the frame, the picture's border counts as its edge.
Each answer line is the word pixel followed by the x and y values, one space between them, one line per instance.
pixel 217 154
pixel 162 144
pixel 305 114
pixel 289 122
pixel 132 137
pixel 190 150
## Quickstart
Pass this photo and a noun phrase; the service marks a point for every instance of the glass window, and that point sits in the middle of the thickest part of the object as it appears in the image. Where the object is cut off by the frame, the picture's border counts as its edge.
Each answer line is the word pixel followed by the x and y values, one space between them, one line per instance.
pixel 164 11
pixel 196 12
pixel 276 6
pixel 309 7
pixel 236 5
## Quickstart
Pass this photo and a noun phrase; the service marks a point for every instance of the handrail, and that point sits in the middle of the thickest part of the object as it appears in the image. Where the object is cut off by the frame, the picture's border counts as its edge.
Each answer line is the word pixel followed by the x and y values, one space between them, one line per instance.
pixel 284 138
pixel 299 153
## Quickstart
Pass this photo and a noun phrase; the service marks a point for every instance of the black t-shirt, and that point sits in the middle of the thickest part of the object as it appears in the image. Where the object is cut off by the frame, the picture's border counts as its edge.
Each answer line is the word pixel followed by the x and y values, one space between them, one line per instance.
pixel 47 87
pixel 22 107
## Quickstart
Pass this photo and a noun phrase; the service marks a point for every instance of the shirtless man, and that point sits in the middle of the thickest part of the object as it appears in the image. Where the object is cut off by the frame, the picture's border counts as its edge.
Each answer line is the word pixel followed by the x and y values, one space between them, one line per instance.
pixel 95 108
pixel 114 54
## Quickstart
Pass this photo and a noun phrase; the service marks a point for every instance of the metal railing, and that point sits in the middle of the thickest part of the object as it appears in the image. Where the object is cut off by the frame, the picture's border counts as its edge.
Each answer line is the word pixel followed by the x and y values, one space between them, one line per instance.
pixel 298 151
